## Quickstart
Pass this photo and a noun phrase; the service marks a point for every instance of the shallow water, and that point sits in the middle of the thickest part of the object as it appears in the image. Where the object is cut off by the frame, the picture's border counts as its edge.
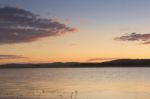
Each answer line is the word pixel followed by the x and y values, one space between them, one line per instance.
pixel 75 83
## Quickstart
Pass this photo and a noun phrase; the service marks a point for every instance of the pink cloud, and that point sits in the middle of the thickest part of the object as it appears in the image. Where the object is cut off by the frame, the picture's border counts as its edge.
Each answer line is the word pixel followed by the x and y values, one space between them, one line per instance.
pixel 99 59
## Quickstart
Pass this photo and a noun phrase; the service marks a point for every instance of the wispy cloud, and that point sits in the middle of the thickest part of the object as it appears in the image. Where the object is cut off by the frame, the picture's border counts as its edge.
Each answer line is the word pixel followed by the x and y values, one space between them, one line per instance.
pixel 12 57
pixel 73 44
pixel 99 59
pixel 18 26
pixel 143 38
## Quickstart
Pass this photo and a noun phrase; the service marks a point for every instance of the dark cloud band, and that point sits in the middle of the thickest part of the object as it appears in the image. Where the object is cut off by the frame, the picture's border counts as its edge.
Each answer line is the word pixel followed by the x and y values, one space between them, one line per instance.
pixel 11 57
pixel 18 26
pixel 144 38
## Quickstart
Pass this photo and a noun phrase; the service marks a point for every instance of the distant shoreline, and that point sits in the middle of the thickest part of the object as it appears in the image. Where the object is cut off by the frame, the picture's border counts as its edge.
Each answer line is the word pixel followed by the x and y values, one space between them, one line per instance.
pixel 113 63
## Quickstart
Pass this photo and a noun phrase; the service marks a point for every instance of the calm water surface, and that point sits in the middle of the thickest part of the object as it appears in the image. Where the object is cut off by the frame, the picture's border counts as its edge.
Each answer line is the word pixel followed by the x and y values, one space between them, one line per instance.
pixel 75 83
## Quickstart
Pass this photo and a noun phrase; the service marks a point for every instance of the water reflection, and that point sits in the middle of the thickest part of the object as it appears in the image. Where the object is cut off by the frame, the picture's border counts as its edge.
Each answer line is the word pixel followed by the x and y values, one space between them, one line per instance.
pixel 77 83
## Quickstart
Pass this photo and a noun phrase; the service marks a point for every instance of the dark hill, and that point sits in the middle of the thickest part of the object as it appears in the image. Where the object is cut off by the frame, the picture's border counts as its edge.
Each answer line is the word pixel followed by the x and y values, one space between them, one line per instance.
pixel 122 63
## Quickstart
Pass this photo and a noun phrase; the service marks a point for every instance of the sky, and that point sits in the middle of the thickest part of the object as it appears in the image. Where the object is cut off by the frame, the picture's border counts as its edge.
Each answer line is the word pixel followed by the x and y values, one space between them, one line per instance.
pixel 39 31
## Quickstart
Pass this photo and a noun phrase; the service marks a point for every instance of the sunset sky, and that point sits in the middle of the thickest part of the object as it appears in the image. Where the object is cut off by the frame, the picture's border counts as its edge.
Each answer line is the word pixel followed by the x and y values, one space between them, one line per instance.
pixel 37 31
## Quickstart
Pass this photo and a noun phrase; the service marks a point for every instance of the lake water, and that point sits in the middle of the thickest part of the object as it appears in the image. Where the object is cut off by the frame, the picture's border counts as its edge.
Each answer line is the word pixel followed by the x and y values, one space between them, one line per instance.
pixel 75 83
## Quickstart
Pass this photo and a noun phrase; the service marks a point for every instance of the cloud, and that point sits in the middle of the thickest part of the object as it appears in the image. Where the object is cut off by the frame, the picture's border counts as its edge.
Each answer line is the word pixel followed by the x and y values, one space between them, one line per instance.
pixel 144 38
pixel 73 44
pixel 19 26
pixel 99 59
pixel 11 57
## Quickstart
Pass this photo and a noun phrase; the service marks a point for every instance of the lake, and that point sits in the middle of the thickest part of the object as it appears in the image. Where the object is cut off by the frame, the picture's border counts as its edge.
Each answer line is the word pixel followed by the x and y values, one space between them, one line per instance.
pixel 75 83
